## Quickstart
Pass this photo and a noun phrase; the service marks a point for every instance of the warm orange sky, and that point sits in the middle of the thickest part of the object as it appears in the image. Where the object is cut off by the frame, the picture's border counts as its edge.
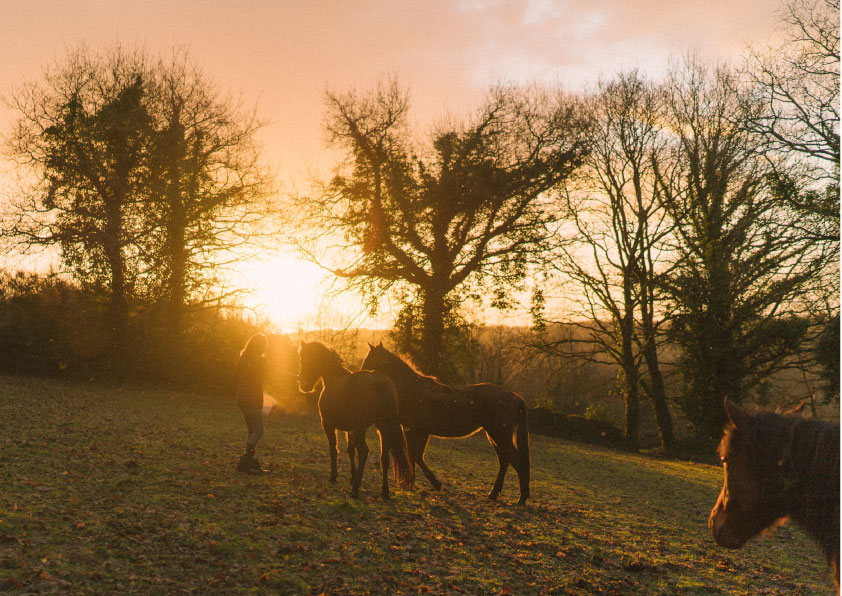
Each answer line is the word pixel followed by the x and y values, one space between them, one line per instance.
pixel 281 54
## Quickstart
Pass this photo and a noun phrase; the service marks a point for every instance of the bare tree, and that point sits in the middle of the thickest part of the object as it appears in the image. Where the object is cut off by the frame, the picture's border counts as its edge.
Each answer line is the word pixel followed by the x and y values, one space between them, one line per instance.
pixel 619 231
pixel 797 83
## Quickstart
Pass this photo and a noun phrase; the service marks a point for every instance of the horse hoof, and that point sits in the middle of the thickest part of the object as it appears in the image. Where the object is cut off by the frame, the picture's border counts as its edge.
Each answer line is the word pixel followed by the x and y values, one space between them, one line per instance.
pixel 332 479
pixel 493 496
pixel 522 502
pixel 385 496
pixel 355 494
pixel 437 485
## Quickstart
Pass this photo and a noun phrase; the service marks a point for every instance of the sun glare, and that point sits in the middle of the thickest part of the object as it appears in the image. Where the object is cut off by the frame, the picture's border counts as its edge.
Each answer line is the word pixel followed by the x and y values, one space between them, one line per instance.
pixel 286 290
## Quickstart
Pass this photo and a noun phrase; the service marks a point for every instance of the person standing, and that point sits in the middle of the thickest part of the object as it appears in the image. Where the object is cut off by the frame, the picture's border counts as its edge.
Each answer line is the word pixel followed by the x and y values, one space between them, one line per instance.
pixel 248 390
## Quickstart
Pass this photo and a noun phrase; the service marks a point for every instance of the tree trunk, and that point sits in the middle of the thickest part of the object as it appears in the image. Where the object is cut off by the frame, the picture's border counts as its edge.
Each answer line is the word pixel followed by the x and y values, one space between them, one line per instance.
pixel 432 332
pixel 118 303
pixel 631 396
pixel 176 224
pixel 658 395
pixel 177 293
pixel 628 367
pixel 177 255
pixel 657 392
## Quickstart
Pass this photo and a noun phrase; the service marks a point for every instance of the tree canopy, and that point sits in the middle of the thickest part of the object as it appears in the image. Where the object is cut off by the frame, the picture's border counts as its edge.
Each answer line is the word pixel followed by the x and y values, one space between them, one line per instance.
pixel 145 176
pixel 470 207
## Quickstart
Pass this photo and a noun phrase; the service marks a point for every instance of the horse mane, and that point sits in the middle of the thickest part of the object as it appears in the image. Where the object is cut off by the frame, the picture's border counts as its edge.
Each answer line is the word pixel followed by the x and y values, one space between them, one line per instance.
pixel 793 440
pixel 406 361
pixel 326 354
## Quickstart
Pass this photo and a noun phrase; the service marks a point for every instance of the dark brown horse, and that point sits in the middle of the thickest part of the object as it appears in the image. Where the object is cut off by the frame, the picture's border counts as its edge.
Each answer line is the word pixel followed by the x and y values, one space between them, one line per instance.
pixel 428 407
pixel 778 467
pixel 352 402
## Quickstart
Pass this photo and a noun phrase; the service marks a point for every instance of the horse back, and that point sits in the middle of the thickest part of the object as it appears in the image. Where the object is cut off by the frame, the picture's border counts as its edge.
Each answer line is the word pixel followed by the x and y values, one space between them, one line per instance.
pixel 358 400
pixel 456 410
pixel 372 383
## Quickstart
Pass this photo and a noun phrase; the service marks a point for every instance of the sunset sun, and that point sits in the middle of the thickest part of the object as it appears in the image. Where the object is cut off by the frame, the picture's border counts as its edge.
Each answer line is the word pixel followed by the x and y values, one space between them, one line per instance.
pixel 285 290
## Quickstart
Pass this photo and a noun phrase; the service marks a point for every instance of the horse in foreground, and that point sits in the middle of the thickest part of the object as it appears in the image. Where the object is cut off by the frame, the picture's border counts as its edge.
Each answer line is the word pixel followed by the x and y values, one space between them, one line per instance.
pixel 778 467
pixel 352 402
pixel 429 407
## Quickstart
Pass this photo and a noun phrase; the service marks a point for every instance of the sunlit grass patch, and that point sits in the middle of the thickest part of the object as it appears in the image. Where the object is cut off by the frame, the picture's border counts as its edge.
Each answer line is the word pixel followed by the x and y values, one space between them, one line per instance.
pixel 134 492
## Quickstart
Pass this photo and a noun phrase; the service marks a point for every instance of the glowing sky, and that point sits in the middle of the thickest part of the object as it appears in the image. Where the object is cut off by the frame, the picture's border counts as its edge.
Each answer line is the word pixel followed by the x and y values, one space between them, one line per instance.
pixel 282 54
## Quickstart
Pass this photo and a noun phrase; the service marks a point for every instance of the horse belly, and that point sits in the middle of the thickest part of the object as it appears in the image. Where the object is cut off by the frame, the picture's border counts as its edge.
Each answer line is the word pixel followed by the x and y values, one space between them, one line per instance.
pixel 456 430
pixel 454 421
pixel 449 411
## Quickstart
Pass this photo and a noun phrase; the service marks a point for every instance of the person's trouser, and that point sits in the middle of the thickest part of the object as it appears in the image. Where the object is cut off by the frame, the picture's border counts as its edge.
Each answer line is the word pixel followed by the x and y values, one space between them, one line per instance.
pixel 254 422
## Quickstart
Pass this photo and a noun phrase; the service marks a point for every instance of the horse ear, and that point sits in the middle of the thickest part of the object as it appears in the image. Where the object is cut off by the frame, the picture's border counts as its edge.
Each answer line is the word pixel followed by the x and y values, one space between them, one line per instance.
pixel 738 417
pixel 370 346
pixel 380 345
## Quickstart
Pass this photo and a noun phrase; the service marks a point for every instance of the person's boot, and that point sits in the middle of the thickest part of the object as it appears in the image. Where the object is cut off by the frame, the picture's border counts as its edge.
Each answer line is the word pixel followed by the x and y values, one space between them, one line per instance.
pixel 244 465
pixel 254 466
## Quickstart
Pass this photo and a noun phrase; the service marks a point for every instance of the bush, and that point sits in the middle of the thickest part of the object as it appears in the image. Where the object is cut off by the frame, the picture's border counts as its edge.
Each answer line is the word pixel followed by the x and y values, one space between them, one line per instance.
pixel 543 421
pixel 49 326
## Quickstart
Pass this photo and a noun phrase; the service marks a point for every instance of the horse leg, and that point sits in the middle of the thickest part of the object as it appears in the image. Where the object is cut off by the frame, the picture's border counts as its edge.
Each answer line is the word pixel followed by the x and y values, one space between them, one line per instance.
pixel 503 462
pixel 508 453
pixel 521 466
pixel 362 456
pixel 384 468
pixel 352 452
pixel 503 441
pixel 330 433
pixel 416 443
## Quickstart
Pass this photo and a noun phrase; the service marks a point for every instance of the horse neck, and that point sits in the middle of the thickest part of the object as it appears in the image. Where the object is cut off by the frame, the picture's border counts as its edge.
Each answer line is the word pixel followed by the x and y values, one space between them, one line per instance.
pixel 334 372
pixel 813 487
pixel 400 371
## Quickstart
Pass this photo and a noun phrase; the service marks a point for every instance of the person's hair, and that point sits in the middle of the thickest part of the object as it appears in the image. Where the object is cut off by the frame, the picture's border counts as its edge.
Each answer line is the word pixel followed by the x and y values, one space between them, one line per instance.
pixel 255 346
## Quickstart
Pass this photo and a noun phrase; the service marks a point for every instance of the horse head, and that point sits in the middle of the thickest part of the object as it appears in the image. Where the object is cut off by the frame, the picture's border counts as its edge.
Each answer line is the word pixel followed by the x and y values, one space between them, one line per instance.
pixel 313 360
pixel 376 358
pixel 748 502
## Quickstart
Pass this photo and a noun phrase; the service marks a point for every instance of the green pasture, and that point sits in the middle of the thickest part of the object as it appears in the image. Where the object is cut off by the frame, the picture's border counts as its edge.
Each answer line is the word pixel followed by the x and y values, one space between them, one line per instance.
pixel 108 491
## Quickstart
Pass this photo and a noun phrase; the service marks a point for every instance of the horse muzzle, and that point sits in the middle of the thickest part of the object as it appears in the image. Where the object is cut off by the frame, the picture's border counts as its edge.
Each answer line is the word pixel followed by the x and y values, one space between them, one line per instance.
pixel 722 532
pixel 306 385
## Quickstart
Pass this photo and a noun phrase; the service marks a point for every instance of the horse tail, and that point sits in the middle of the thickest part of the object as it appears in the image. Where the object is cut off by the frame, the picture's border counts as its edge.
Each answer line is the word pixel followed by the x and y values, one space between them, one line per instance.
pixel 394 440
pixel 522 436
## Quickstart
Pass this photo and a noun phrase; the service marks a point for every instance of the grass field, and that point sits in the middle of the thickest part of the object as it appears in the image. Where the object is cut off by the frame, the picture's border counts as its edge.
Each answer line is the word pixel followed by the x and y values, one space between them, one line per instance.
pixel 104 491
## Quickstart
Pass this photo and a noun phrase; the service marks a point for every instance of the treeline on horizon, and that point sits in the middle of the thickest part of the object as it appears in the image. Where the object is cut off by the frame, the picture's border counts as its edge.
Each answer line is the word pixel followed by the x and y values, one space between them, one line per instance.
pixel 692 225
pixel 50 327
